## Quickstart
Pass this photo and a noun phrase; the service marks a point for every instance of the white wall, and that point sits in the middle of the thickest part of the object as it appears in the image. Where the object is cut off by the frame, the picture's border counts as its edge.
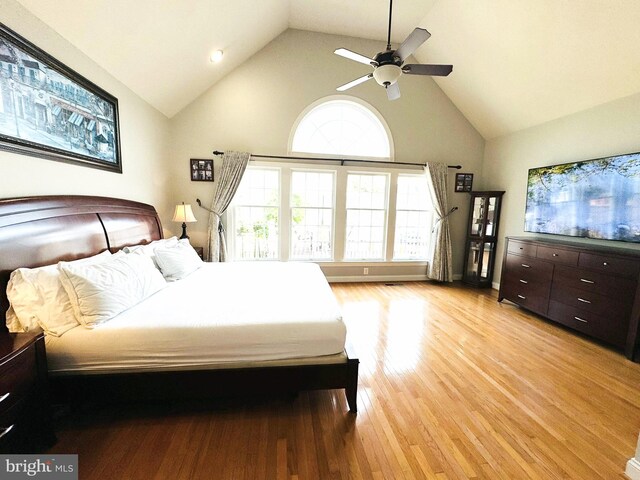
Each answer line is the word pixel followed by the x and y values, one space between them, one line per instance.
pixel 143 134
pixel 254 108
pixel 609 129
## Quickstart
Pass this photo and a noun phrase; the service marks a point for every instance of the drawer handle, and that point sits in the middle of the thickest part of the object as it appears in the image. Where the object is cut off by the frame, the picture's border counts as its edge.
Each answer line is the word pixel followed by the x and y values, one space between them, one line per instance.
pixel 605 263
pixel 555 254
pixel 525 265
pixel 581 319
pixel 6 430
pixel 583 300
pixel 586 281
pixel 4 397
pixel 522 297
pixel 524 281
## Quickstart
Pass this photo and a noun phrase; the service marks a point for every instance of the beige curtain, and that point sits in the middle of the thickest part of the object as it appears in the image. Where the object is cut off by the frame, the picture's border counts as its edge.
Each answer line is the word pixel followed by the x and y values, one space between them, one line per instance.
pixel 234 165
pixel 440 265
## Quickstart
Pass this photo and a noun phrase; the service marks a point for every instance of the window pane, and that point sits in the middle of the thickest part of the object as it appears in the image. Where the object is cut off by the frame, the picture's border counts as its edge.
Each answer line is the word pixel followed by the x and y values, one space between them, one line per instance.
pixel 256 233
pixel 366 190
pixel 342 127
pixel 311 215
pixel 255 214
pixel 413 193
pixel 366 216
pixel 413 219
pixel 258 187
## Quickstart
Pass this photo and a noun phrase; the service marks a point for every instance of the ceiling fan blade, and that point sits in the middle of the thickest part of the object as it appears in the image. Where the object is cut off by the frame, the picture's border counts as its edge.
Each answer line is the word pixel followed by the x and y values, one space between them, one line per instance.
pixel 435 70
pixel 412 42
pixel 343 52
pixel 393 91
pixel 355 82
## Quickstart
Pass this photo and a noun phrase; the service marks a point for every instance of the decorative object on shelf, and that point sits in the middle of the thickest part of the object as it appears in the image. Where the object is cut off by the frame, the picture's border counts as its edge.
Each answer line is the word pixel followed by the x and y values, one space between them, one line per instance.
pixel 48 110
pixel 184 214
pixel 464 182
pixel 201 170
pixel 482 238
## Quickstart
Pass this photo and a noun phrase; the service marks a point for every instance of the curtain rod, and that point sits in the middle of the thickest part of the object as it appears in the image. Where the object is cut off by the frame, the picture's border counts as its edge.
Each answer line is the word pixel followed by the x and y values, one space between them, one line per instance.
pixel 341 160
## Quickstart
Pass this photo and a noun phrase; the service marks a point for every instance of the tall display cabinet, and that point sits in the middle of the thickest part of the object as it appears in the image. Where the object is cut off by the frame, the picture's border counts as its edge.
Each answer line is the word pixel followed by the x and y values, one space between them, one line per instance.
pixel 482 238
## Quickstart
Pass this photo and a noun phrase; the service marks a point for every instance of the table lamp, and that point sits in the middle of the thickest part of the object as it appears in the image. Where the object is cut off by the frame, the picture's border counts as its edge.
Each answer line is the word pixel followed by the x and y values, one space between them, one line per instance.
pixel 184 214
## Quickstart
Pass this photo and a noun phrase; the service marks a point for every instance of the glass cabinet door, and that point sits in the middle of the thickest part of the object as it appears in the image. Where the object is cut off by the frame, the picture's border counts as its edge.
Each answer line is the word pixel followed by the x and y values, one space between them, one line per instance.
pixel 491 212
pixel 474 254
pixel 477 217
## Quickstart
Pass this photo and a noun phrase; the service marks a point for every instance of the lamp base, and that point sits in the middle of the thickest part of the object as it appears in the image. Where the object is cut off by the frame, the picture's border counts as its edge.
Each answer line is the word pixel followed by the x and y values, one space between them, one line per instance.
pixel 184 232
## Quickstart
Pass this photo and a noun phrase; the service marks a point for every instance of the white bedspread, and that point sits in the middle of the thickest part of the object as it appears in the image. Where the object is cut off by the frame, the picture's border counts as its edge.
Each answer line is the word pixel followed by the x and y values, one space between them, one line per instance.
pixel 222 313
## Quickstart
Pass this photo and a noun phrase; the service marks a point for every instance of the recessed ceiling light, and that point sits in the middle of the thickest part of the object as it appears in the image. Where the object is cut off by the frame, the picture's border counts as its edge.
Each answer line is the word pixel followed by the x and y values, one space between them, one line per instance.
pixel 216 56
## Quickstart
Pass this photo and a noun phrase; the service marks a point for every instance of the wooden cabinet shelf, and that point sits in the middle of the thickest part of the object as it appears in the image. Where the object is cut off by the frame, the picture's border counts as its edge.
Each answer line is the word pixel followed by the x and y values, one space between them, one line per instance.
pixel 592 289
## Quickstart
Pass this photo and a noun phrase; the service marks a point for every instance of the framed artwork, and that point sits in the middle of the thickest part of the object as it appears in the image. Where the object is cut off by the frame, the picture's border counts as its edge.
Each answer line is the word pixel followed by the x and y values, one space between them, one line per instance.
pixel 201 170
pixel 50 111
pixel 464 182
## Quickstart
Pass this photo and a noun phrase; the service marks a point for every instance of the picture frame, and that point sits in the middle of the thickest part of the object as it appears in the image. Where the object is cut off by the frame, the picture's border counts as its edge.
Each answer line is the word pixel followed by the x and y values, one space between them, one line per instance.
pixel 50 111
pixel 464 182
pixel 201 170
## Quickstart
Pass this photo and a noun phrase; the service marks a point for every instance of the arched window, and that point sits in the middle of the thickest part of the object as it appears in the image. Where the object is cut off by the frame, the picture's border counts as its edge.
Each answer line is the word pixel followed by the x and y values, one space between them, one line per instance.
pixel 342 127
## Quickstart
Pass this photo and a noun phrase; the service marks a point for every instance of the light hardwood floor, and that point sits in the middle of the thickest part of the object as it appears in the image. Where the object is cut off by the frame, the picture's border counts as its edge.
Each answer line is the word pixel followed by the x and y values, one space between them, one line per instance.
pixel 452 385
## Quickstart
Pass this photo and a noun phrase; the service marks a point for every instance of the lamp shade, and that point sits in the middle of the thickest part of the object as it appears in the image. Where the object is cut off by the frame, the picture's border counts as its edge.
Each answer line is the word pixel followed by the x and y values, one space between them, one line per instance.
pixel 387 74
pixel 184 214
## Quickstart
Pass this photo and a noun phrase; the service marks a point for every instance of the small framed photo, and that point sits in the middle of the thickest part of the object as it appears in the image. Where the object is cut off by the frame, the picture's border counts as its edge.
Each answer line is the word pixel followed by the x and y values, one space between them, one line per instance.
pixel 464 182
pixel 201 170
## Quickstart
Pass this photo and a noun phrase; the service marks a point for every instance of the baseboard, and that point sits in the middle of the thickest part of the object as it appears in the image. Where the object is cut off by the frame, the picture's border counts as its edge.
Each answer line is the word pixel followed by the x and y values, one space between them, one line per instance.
pixel 633 469
pixel 377 278
pixel 382 278
pixel 495 285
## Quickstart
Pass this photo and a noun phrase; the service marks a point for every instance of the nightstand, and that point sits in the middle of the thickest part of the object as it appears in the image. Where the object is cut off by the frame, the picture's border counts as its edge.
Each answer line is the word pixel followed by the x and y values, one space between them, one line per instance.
pixel 200 252
pixel 25 413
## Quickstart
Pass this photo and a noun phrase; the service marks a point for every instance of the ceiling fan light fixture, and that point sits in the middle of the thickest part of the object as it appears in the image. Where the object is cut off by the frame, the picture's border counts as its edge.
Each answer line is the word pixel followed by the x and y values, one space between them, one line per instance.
pixel 387 75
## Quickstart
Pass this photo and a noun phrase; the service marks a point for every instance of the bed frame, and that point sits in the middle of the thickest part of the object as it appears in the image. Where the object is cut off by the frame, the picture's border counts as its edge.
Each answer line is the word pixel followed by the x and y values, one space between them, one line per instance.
pixel 37 231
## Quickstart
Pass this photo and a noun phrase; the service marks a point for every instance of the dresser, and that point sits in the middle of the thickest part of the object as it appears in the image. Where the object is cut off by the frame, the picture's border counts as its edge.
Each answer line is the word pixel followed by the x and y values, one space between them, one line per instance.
pixel 591 289
pixel 25 415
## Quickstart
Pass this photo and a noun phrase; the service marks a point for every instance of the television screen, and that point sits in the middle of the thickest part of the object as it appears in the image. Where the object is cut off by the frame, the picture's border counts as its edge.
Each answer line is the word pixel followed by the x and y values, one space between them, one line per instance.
pixel 592 199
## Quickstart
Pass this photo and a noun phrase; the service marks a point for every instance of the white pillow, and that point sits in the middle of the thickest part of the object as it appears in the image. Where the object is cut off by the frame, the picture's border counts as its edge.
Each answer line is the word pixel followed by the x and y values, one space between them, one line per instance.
pixel 12 322
pixel 104 290
pixel 148 249
pixel 177 261
pixel 39 299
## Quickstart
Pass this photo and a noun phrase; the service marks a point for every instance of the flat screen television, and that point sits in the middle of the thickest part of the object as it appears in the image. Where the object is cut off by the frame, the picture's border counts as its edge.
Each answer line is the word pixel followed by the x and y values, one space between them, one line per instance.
pixel 590 199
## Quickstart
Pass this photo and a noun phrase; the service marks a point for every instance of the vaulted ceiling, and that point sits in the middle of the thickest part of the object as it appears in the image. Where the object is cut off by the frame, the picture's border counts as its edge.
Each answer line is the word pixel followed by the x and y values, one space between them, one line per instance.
pixel 517 63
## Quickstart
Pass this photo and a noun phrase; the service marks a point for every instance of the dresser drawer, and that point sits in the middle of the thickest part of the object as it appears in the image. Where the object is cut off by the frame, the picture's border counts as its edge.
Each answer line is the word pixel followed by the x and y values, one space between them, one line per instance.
pixel 17 377
pixel 609 329
pixel 620 266
pixel 594 282
pixel 530 269
pixel 534 303
pixel 591 302
pixel 522 248
pixel 558 255
pixel 16 426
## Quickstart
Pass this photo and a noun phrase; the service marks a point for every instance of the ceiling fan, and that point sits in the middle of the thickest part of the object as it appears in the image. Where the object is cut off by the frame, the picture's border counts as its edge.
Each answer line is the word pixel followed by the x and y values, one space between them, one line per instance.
pixel 389 65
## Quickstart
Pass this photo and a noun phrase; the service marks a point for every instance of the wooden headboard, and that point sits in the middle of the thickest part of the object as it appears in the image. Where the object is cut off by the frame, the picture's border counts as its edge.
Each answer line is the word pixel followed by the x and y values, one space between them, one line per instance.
pixel 36 231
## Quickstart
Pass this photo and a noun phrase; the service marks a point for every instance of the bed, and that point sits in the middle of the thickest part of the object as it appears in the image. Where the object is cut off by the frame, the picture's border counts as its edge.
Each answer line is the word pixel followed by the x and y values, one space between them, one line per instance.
pixel 201 338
